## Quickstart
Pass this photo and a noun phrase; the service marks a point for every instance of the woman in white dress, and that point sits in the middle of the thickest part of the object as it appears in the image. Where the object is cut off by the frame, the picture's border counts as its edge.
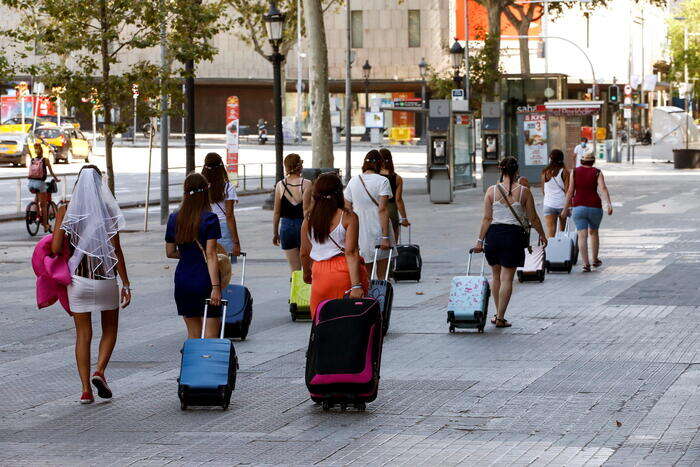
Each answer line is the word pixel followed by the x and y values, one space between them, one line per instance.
pixel 368 195
pixel 90 224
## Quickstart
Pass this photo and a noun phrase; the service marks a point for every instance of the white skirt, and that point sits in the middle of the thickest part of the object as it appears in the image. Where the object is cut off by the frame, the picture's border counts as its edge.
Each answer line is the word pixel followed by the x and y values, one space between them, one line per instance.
pixel 88 295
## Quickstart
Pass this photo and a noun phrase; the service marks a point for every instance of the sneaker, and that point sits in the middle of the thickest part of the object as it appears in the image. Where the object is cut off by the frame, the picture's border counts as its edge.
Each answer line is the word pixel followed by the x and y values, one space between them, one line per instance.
pixel 87 398
pixel 100 383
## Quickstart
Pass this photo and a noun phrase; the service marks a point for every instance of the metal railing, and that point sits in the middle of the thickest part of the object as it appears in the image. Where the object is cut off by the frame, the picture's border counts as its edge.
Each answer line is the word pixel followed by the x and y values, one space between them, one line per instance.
pixel 250 172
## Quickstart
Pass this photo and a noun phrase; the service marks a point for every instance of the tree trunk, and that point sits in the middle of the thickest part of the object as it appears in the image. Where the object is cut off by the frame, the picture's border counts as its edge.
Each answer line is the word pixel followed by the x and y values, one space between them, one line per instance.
pixel 523 29
pixel 322 139
pixel 106 96
pixel 494 10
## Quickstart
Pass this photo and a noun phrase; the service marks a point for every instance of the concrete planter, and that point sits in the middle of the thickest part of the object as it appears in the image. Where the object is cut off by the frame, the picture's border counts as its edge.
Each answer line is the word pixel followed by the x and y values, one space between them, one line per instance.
pixel 686 158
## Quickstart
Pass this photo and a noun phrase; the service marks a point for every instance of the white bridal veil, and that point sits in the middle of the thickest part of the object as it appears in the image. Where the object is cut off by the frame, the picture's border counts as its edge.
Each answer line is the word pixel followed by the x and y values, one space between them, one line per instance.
pixel 92 219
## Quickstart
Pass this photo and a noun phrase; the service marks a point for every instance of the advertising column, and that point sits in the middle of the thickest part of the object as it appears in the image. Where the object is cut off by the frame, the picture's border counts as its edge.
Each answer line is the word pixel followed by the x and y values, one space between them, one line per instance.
pixel 535 132
pixel 232 119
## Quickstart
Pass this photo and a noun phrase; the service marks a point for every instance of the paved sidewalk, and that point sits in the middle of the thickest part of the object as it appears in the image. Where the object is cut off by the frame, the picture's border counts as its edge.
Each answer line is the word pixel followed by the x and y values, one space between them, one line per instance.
pixel 597 369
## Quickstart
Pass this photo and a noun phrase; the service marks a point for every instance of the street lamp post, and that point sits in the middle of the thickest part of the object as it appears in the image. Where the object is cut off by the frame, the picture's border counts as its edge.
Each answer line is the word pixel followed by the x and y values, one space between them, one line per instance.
pixel 457 56
pixel 274 21
pixel 423 70
pixel 366 72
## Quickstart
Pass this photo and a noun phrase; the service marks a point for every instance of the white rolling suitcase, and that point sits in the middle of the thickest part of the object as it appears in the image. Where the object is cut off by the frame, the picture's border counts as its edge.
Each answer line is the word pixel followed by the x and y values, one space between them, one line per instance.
pixel 562 251
pixel 533 269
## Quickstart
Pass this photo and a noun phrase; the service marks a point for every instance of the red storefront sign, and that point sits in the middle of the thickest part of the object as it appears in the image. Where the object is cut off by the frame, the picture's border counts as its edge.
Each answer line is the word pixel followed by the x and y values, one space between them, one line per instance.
pixel 232 121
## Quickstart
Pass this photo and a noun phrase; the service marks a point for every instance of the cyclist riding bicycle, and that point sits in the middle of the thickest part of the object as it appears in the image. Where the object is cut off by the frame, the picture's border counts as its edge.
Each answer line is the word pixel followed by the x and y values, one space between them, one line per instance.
pixel 37 182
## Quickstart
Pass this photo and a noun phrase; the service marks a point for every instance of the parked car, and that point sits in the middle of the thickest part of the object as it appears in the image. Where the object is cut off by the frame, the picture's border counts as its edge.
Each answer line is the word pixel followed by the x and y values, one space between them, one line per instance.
pixel 18 148
pixel 80 146
pixel 58 139
pixel 66 122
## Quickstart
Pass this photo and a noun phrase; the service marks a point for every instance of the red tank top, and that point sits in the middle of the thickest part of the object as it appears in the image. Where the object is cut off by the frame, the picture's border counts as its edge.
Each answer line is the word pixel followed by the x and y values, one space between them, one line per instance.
pixel 586 187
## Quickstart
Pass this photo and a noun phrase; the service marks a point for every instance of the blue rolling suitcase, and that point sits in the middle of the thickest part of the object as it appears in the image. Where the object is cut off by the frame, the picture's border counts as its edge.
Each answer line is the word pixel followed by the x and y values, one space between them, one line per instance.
pixel 469 300
pixel 382 291
pixel 208 370
pixel 240 308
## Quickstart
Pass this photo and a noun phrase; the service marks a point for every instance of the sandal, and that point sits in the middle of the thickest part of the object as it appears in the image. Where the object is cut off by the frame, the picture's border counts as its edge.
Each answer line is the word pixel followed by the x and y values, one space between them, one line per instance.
pixel 597 263
pixel 493 320
pixel 586 268
pixel 502 323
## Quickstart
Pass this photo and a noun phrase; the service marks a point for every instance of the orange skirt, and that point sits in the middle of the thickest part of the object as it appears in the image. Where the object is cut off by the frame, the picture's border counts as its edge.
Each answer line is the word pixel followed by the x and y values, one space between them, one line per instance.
pixel 330 279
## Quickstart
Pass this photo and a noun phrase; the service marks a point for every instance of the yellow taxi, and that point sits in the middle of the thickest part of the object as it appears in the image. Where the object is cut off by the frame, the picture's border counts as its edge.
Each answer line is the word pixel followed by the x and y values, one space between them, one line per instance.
pixel 18 148
pixel 58 139
pixel 80 146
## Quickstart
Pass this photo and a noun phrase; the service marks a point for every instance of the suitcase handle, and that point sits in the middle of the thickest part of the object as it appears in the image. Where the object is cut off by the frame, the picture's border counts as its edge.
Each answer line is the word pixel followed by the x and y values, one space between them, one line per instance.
pixel 469 262
pixel 230 255
pixel 409 232
pixel 374 264
pixel 224 304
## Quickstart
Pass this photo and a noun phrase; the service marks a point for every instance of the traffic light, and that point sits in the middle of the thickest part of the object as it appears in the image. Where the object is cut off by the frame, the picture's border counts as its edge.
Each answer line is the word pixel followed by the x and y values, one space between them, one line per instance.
pixel 614 94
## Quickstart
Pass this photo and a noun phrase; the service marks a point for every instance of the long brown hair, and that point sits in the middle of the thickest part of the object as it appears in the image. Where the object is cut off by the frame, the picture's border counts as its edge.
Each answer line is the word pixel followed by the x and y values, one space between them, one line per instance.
pixel 215 172
pixel 328 198
pixel 387 160
pixel 373 161
pixel 195 201
pixel 293 165
pixel 556 163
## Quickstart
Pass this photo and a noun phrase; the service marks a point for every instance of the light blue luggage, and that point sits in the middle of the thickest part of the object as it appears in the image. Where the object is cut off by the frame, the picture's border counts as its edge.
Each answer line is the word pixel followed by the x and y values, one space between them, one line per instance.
pixel 468 304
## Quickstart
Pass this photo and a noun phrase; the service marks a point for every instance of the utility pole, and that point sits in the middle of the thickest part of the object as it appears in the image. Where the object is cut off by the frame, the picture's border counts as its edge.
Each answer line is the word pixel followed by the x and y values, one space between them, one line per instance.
pixel 348 94
pixel 164 133
pixel 467 76
pixel 189 116
pixel 300 83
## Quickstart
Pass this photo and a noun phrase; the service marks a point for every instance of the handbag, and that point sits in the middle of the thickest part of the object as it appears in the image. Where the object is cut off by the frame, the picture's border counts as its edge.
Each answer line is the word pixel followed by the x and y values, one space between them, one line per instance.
pixel 52 186
pixel 223 263
pixel 524 224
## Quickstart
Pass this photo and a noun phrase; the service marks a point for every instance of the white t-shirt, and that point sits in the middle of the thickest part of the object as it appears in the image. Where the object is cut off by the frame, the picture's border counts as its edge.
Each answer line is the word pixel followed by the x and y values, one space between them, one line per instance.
pixel 220 208
pixel 368 212
pixel 580 150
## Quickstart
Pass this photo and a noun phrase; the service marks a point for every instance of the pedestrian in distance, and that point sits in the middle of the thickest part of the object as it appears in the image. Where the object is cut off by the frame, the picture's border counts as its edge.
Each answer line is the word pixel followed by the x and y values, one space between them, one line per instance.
pixel 555 183
pixel 191 238
pixel 586 182
pixel 90 224
pixel 223 198
pixel 368 195
pixel 38 168
pixel 288 215
pixel 507 206
pixel 329 246
pixel 396 205
pixel 581 149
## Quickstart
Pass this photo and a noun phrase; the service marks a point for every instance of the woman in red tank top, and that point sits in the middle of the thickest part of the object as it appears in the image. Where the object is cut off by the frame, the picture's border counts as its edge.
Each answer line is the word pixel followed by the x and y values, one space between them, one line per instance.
pixel 583 195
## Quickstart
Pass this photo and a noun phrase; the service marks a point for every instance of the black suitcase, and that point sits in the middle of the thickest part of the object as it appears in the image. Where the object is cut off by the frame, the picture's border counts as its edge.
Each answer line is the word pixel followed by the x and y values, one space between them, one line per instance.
pixel 407 264
pixel 208 369
pixel 382 291
pixel 344 354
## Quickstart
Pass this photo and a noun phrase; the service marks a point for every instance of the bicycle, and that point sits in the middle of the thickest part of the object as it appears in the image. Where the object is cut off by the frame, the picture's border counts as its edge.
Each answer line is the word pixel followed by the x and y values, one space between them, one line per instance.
pixel 33 218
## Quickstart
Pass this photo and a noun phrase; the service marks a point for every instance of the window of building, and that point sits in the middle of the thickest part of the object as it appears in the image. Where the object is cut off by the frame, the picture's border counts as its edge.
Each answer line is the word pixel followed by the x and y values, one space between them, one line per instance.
pixel 414 28
pixel 357 28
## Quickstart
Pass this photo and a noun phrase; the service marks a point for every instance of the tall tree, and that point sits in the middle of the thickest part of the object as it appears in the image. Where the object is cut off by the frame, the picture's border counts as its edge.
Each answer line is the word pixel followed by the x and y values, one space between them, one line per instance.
pixel 322 139
pixel 521 16
pixel 682 57
pixel 99 36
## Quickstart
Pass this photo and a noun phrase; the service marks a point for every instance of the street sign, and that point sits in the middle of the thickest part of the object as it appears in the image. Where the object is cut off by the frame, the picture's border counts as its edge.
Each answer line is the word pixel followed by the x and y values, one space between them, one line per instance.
pixel 461 119
pixel 409 102
pixel 135 90
pixel 232 126
pixel 458 94
pixel 628 90
pixel 627 113
pixel 628 100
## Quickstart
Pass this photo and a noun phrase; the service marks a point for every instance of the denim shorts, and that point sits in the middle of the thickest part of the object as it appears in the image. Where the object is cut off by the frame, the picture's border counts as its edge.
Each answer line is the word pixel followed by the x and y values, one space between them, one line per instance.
pixel 587 218
pixel 550 211
pixel 225 241
pixel 36 186
pixel 290 233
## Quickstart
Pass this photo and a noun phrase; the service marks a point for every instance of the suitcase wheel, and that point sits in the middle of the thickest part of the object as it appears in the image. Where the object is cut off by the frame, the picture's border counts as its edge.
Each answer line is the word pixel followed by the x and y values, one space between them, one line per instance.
pixel 452 329
pixel 293 311
pixel 541 275
pixel 481 329
pixel 183 405
pixel 343 407
pixel 568 266
pixel 361 406
pixel 326 406
pixel 521 279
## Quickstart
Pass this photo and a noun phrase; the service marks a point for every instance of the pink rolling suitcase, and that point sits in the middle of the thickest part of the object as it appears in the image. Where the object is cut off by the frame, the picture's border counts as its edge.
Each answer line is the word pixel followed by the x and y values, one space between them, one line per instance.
pixel 344 354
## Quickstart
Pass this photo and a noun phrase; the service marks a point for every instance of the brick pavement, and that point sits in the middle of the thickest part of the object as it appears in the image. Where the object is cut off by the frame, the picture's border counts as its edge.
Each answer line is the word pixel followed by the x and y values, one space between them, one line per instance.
pixel 597 369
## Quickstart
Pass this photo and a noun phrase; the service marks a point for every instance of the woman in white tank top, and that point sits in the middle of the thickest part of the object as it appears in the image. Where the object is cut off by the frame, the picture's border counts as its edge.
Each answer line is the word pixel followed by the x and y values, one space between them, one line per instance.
pixel 555 182
pixel 330 255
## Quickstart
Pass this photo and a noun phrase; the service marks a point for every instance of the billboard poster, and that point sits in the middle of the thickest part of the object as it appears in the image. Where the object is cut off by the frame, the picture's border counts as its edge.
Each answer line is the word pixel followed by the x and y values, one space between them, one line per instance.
pixel 535 132
pixel 232 123
pixel 11 107
pixel 479 21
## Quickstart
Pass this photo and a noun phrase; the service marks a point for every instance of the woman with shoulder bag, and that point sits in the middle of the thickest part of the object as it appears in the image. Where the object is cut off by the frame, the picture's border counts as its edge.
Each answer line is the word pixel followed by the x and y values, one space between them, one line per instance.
pixel 191 238
pixel 90 224
pixel 223 198
pixel 509 209
pixel 367 194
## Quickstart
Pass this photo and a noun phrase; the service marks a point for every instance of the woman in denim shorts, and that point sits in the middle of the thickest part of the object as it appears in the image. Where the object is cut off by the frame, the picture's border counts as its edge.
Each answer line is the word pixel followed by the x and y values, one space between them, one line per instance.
pixel 555 182
pixel 588 207
pixel 291 194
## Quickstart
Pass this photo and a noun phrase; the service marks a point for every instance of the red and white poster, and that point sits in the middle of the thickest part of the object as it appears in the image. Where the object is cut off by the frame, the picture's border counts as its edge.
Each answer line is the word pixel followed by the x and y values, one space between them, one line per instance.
pixel 535 131
pixel 232 119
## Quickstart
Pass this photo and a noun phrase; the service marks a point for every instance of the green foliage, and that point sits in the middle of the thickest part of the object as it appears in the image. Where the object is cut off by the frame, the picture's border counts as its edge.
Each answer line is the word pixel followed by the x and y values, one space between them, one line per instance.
pixel 680 58
pixel 484 71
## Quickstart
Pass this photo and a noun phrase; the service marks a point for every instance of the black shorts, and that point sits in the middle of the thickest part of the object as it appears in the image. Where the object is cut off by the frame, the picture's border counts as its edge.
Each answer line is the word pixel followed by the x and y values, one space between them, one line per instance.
pixel 502 246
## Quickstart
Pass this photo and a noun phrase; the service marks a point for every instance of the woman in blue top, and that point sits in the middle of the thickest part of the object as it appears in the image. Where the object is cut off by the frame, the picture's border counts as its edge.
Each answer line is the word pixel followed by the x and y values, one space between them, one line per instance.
pixel 192 231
